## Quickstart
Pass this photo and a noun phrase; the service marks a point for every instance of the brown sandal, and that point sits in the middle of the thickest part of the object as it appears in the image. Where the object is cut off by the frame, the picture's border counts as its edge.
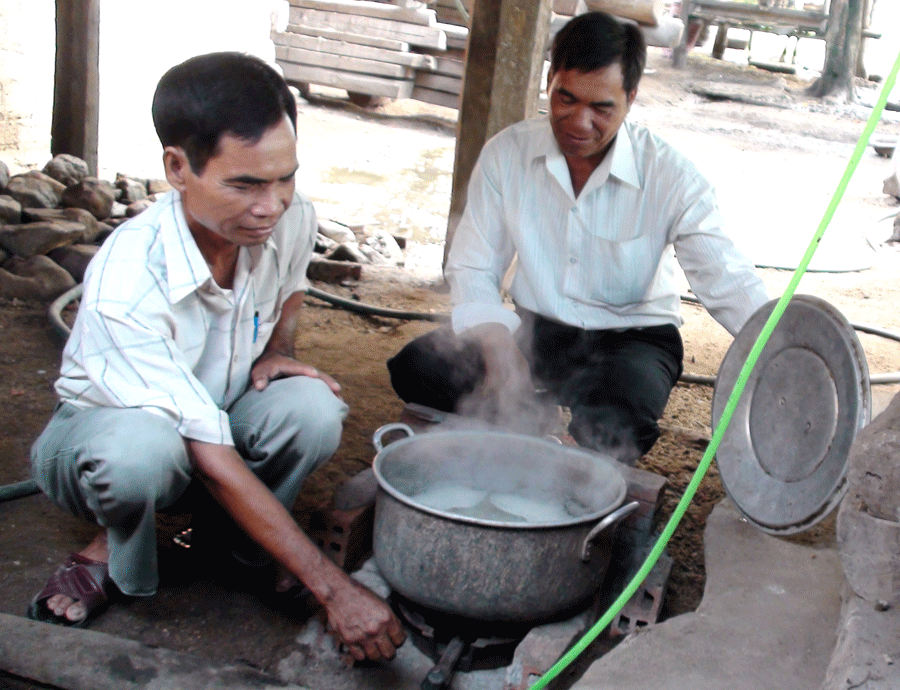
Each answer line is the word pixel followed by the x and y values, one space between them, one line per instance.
pixel 81 579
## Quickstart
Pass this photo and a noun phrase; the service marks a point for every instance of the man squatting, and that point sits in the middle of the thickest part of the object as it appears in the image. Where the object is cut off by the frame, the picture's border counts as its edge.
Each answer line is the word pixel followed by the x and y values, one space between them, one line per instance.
pixel 180 365
pixel 594 210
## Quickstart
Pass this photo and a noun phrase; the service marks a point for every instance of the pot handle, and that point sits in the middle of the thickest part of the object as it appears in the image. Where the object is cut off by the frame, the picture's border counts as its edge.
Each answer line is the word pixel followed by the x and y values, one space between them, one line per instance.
pixel 610 520
pixel 387 428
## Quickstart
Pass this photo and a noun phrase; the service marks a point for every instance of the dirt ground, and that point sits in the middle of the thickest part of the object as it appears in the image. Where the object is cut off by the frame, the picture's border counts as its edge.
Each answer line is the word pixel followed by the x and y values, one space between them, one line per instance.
pixel 390 167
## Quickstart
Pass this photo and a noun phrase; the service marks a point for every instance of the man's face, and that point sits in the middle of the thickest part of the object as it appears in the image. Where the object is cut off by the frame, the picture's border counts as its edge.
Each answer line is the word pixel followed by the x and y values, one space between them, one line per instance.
pixel 587 109
pixel 243 190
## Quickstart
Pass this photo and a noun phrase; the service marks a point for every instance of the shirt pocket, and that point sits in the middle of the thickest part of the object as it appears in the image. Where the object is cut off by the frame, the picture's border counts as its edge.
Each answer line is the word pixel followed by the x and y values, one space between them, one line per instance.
pixel 619 272
pixel 262 332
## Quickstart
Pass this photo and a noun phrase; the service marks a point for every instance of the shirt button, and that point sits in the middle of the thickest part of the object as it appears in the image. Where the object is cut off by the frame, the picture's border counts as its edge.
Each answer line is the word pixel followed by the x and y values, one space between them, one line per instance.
pixel 573 260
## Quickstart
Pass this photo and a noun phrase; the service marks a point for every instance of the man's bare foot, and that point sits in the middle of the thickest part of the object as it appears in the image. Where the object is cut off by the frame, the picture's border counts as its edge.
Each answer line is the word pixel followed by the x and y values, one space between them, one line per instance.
pixel 71 609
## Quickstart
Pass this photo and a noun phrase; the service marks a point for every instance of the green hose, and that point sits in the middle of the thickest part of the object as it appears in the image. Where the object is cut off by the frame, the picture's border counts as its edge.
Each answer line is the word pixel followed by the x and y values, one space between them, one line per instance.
pixel 730 406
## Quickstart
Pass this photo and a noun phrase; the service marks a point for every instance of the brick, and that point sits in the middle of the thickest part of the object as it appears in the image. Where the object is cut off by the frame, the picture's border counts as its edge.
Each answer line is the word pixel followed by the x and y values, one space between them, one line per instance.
pixel 542 647
pixel 644 486
pixel 345 536
pixel 645 606
pixel 333 271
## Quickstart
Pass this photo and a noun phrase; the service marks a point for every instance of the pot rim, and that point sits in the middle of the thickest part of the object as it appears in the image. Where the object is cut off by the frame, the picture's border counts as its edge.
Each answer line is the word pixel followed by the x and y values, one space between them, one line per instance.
pixel 591 456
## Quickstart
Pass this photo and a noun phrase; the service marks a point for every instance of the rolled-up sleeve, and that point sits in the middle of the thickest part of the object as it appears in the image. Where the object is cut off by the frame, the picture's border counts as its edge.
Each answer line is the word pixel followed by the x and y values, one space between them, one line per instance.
pixel 134 364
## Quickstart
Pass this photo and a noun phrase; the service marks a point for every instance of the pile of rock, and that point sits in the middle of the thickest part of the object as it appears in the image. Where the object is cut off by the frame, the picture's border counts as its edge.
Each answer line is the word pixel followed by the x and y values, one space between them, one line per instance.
pixel 53 221
pixel 342 250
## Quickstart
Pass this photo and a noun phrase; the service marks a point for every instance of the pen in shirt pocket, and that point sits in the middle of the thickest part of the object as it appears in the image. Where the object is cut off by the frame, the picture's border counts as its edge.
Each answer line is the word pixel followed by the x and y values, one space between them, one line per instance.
pixel 255 325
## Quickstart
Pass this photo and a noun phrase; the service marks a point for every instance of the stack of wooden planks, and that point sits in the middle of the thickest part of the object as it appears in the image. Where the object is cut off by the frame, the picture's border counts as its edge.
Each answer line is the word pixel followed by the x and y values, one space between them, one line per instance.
pixel 406 49
pixel 442 83
pixel 373 48
pixel 448 11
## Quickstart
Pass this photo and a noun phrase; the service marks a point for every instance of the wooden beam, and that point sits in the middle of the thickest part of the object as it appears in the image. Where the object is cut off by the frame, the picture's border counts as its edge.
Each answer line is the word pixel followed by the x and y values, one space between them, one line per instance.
pixel 76 91
pixel 449 66
pixel 348 36
pixel 521 51
pixel 504 63
pixel 349 81
pixel 457 36
pixel 412 15
pixel 439 82
pixel 415 34
pixel 448 100
pixel 343 62
pixel 348 49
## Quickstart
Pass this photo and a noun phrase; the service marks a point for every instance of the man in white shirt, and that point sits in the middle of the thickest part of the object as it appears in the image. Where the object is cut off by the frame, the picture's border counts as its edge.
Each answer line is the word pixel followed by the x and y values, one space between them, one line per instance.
pixel 180 363
pixel 594 210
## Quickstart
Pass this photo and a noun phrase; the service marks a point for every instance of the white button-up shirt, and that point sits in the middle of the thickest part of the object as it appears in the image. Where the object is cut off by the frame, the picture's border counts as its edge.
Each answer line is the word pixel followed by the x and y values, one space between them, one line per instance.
pixel 603 260
pixel 154 330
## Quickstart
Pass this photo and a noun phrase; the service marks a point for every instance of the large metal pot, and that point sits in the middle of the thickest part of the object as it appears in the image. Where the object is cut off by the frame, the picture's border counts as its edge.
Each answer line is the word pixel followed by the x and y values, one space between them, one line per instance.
pixel 483 565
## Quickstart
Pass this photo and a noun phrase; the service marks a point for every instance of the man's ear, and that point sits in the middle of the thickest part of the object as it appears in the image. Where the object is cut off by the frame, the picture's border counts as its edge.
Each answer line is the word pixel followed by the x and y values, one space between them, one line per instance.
pixel 177 166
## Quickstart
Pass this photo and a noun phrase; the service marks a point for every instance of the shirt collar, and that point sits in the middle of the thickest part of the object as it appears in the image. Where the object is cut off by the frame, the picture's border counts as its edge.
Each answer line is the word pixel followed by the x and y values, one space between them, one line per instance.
pixel 187 270
pixel 624 161
pixel 620 163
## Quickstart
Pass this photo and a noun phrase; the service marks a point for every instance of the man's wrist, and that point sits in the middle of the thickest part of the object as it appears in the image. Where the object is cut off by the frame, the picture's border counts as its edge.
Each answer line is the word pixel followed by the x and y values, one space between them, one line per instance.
pixel 276 352
pixel 471 315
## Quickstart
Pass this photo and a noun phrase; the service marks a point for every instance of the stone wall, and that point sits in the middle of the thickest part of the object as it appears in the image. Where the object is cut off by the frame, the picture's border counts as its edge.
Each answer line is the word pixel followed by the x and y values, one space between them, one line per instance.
pixel 137 44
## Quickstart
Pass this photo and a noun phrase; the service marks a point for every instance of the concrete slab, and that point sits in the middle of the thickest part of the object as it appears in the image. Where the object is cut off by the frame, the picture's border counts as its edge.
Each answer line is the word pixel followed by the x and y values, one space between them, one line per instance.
pixel 768 620
pixel 867 656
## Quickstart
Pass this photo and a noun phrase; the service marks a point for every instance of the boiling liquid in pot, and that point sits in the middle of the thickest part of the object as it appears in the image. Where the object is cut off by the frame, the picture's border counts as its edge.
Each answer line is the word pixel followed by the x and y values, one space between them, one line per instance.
pixel 463 500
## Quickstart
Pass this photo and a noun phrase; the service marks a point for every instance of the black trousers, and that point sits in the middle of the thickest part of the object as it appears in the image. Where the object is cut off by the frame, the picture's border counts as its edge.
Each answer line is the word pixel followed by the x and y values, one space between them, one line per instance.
pixel 616 383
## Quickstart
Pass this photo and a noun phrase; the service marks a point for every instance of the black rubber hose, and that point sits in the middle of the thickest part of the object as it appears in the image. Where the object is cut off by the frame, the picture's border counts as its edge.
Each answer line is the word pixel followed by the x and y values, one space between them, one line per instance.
pixel 27 488
pixel 54 311
pixel 18 490
pixel 874 379
pixel 362 308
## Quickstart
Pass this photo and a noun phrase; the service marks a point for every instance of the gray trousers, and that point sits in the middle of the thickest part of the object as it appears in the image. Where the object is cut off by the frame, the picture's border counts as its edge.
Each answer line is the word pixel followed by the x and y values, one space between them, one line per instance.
pixel 117 467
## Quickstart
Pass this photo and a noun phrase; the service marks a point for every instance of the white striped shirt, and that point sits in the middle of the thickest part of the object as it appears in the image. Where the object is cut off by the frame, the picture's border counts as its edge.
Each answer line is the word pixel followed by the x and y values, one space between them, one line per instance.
pixel 603 260
pixel 154 330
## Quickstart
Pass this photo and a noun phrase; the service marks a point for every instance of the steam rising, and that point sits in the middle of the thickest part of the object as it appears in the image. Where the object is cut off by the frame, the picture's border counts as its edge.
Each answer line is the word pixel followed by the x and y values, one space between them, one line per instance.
pixel 537 412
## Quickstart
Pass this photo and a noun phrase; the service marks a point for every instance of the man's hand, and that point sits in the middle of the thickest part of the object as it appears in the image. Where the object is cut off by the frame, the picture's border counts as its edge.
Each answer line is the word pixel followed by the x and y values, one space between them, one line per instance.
pixel 506 395
pixel 359 619
pixel 364 623
pixel 276 361
pixel 272 365
pixel 507 372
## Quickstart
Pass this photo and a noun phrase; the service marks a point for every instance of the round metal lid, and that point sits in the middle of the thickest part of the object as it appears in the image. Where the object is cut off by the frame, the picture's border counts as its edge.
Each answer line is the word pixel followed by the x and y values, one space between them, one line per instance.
pixel 783 458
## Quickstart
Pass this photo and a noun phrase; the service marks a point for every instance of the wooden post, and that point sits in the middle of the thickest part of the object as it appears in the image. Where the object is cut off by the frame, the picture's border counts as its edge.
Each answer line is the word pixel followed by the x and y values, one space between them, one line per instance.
pixel 76 94
pixel 679 54
pixel 504 61
pixel 721 42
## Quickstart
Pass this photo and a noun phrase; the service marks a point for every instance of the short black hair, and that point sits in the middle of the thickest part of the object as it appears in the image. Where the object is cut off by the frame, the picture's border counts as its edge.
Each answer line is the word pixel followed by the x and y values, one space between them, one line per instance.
pixel 594 40
pixel 210 95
